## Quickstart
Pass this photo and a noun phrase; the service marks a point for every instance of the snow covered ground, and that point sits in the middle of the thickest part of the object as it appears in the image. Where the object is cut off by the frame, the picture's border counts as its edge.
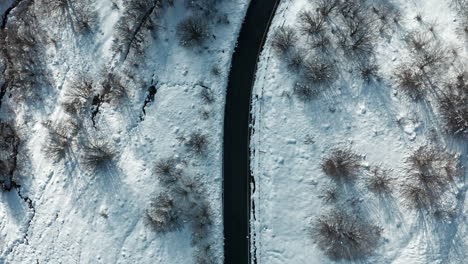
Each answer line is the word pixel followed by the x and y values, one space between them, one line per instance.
pixel 78 215
pixel 373 118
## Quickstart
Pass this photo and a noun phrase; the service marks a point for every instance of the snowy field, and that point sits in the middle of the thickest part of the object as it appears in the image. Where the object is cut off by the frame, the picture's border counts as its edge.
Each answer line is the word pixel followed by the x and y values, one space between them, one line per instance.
pixel 86 159
pixel 362 104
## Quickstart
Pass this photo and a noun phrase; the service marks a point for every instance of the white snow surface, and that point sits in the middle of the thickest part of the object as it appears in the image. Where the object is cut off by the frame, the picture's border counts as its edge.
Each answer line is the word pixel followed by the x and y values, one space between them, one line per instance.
pixel 291 137
pixel 82 217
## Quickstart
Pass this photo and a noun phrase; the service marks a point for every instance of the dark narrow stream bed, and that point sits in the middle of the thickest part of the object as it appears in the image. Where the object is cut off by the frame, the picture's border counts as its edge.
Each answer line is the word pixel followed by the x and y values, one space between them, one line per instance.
pixel 236 163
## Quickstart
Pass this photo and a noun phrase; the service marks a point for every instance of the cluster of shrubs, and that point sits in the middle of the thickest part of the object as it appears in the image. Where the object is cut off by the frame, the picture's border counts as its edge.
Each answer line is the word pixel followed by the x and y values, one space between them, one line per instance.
pixel 334 30
pixel 82 99
pixel 80 15
pixel 419 79
pixel 431 172
pixel 344 235
pixel 181 203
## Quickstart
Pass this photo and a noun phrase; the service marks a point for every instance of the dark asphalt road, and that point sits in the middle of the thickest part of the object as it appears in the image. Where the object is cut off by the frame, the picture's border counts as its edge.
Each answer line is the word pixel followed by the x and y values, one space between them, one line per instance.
pixel 236 164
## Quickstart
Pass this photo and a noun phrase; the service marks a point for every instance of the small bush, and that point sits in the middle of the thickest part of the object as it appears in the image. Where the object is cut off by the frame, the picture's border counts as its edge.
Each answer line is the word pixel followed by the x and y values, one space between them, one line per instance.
pixel 197 142
pixel 113 89
pixel 163 215
pixel 201 222
pixel 454 110
pixel 342 236
pixel 330 195
pixel 341 163
pixel 204 254
pixel 56 147
pixel 411 82
pixel 369 72
pixel 97 154
pixel 207 95
pixel 432 56
pixel 295 60
pixel 326 7
pixel 433 168
pixel 304 92
pixel 311 24
pixel 418 18
pixel 283 39
pixel 321 43
pixel 186 191
pixel 319 71
pixel 78 94
pixel 193 31
pixel 417 197
pixel 379 182
pixel 167 171
pixel 418 41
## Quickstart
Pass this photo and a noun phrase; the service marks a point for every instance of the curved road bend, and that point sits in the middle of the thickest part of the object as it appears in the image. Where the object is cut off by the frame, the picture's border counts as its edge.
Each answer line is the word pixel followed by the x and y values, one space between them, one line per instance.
pixel 236 163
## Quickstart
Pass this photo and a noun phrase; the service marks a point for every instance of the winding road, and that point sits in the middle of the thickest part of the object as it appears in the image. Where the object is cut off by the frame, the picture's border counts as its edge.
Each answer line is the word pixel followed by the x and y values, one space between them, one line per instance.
pixel 236 163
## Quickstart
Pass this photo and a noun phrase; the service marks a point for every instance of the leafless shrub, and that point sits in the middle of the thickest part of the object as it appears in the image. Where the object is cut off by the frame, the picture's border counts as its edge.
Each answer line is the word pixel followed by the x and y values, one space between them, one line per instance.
pixel 113 89
pixel 386 12
pixel 56 147
pixel 97 154
pixel 419 18
pixel 341 163
pixel 342 236
pixel 81 15
pixel 304 92
pixel 369 72
pixel 193 31
pixel 311 24
pixel 453 106
pixel 163 214
pixel 417 197
pixel 207 95
pixel 197 142
pixel 418 41
pixel 322 43
pixel 187 192
pixel 330 194
pixel 204 254
pixel 295 60
pixel 86 19
pixel 201 222
pixel 57 4
pixel 432 56
pixel 78 95
pixel 433 168
pixel 358 38
pixel 411 82
pixel 215 70
pixel 326 7
pixel 283 39
pixel 319 71
pixel 167 171
pixel 379 182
